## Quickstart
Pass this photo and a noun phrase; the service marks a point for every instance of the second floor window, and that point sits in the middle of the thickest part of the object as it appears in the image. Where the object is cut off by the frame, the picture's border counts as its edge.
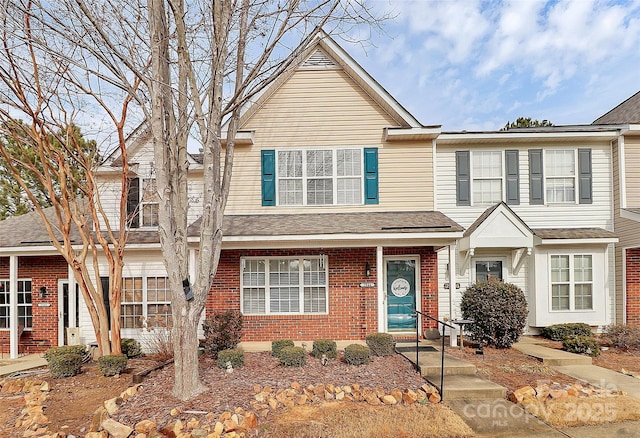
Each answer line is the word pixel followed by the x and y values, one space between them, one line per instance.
pixel 487 177
pixel 320 177
pixel 149 202
pixel 560 176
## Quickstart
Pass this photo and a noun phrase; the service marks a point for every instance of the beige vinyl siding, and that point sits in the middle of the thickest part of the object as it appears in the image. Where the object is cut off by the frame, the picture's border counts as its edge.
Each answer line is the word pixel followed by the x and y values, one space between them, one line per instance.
pixel 598 214
pixel 326 109
pixel 632 170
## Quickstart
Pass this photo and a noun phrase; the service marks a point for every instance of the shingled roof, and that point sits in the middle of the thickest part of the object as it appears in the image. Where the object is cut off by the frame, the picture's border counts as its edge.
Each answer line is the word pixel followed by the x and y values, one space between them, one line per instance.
pixel 627 112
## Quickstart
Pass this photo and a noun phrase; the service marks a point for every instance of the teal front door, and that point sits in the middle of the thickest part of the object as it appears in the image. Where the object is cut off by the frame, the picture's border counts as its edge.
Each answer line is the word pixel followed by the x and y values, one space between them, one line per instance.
pixel 401 294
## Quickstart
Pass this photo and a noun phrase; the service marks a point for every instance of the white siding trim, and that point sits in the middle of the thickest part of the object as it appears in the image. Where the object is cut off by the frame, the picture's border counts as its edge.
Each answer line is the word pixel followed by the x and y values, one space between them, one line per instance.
pixel 621 173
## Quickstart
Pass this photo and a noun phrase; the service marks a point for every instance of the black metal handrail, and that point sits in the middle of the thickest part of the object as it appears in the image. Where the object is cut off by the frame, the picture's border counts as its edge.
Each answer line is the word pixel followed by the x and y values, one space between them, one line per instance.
pixel 442 350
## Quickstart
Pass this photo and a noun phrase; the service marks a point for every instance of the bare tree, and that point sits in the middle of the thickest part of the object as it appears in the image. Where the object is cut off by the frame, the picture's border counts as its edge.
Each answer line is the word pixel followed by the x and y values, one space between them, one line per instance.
pixel 199 62
pixel 44 154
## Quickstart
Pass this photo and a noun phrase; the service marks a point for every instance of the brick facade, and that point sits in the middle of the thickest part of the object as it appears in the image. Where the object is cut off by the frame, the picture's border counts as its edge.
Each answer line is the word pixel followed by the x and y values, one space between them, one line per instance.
pixel 633 286
pixel 353 310
pixel 42 271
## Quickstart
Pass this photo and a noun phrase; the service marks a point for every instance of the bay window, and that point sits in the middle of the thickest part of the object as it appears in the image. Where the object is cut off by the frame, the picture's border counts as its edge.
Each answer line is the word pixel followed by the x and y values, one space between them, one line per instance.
pixel 571 282
pixel 284 285
pixel 145 299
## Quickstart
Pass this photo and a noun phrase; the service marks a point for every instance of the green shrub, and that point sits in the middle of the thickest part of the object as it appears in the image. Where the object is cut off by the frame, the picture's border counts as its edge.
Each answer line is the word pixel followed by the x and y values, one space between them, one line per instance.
pixel 499 311
pixel 112 364
pixel 80 350
pixel 381 344
pixel 131 348
pixel 64 364
pixel 559 332
pixel 622 336
pixel 357 354
pixel 222 331
pixel 292 356
pixel 324 346
pixel 233 355
pixel 279 344
pixel 581 345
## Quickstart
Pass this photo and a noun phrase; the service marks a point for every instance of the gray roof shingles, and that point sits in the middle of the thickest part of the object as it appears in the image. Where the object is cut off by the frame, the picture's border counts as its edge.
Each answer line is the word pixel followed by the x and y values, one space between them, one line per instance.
pixel 626 112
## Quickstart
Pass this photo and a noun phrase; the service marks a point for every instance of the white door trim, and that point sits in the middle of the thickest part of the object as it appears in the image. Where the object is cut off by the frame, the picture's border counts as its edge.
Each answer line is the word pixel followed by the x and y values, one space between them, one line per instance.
pixel 417 273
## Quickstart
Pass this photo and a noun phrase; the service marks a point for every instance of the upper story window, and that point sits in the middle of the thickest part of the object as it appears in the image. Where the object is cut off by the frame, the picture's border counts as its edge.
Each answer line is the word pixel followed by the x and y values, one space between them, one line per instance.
pixel 142 203
pixel 487 177
pixel 320 177
pixel 560 176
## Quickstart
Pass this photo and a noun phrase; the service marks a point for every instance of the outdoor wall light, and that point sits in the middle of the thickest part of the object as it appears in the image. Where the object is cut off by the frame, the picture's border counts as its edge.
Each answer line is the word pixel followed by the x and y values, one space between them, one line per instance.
pixel 367 269
pixel 43 292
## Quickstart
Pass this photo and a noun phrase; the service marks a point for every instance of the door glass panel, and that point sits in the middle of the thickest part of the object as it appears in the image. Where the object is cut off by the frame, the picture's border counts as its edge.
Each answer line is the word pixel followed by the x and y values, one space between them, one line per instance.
pixel 401 295
pixel 486 270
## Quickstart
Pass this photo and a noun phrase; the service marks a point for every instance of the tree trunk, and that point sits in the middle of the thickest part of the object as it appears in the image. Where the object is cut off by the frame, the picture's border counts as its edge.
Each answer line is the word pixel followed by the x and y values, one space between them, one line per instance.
pixel 184 335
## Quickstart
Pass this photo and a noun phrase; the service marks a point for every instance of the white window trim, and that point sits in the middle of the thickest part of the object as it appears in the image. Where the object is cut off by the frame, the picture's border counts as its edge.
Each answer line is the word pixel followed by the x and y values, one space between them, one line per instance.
pixel 572 283
pixel 324 261
pixel 142 203
pixel 473 178
pixel 547 177
pixel 18 304
pixel 335 178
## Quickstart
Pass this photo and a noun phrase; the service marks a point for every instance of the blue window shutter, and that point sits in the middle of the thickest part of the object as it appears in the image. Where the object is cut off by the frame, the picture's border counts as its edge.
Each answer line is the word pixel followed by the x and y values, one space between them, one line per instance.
pixel 268 177
pixel 585 180
pixel 463 178
pixel 536 177
pixel 512 158
pixel 371 176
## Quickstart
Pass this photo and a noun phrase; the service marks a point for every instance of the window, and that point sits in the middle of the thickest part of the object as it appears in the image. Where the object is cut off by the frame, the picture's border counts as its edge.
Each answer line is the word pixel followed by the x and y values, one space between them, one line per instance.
pixel 320 177
pixel 487 177
pixel 145 299
pixel 149 203
pixel 25 318
pixel 560 176
pixel 571 282
pixel 488 269
pixel 284 285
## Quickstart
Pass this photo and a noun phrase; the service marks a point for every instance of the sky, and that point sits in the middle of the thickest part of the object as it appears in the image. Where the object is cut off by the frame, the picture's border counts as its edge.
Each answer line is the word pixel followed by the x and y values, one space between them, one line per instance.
pixel 474 65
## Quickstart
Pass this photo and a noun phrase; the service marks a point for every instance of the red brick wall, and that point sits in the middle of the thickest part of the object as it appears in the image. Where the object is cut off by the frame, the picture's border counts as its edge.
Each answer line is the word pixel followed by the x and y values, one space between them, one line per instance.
pixel 42 271
pixel 352 309
pixel 633 286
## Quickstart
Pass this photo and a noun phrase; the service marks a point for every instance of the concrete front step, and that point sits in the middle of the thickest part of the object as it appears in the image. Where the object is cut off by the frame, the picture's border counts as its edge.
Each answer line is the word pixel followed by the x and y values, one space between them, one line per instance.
pixel 551 356
pixel 430 365
pixel 468 387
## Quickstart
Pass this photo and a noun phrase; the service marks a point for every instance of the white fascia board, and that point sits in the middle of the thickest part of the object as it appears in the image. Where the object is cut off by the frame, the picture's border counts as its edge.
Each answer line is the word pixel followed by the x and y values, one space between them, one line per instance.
pixel 242 137
pixel 525 136
pixel 401 134
pixel 626 214
pixel 592 241
pixel 29 251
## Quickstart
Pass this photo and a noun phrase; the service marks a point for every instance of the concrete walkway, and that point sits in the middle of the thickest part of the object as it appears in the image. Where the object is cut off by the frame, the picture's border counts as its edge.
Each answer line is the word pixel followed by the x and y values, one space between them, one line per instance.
pixel 579 367
pixel 23 363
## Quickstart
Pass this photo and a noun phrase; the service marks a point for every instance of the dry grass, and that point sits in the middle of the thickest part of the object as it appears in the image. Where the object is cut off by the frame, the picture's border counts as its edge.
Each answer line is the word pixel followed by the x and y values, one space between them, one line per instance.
pixel 574 411
pixel 356 420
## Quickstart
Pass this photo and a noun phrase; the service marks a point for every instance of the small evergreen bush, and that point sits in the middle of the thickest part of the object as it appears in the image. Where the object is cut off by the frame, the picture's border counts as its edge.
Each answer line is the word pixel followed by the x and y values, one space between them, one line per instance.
pixel 112 364
pixel 233 355
pixel 324 346
pixel 279 344
pixel 66 364
pixel 357 354
pixel 581 345
pixel 381 344
pixel 131 348
pixel 499 311
pixel 626 337
pixel 292 356
pixel 80 350
pixel 559 332
pixel 222 331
